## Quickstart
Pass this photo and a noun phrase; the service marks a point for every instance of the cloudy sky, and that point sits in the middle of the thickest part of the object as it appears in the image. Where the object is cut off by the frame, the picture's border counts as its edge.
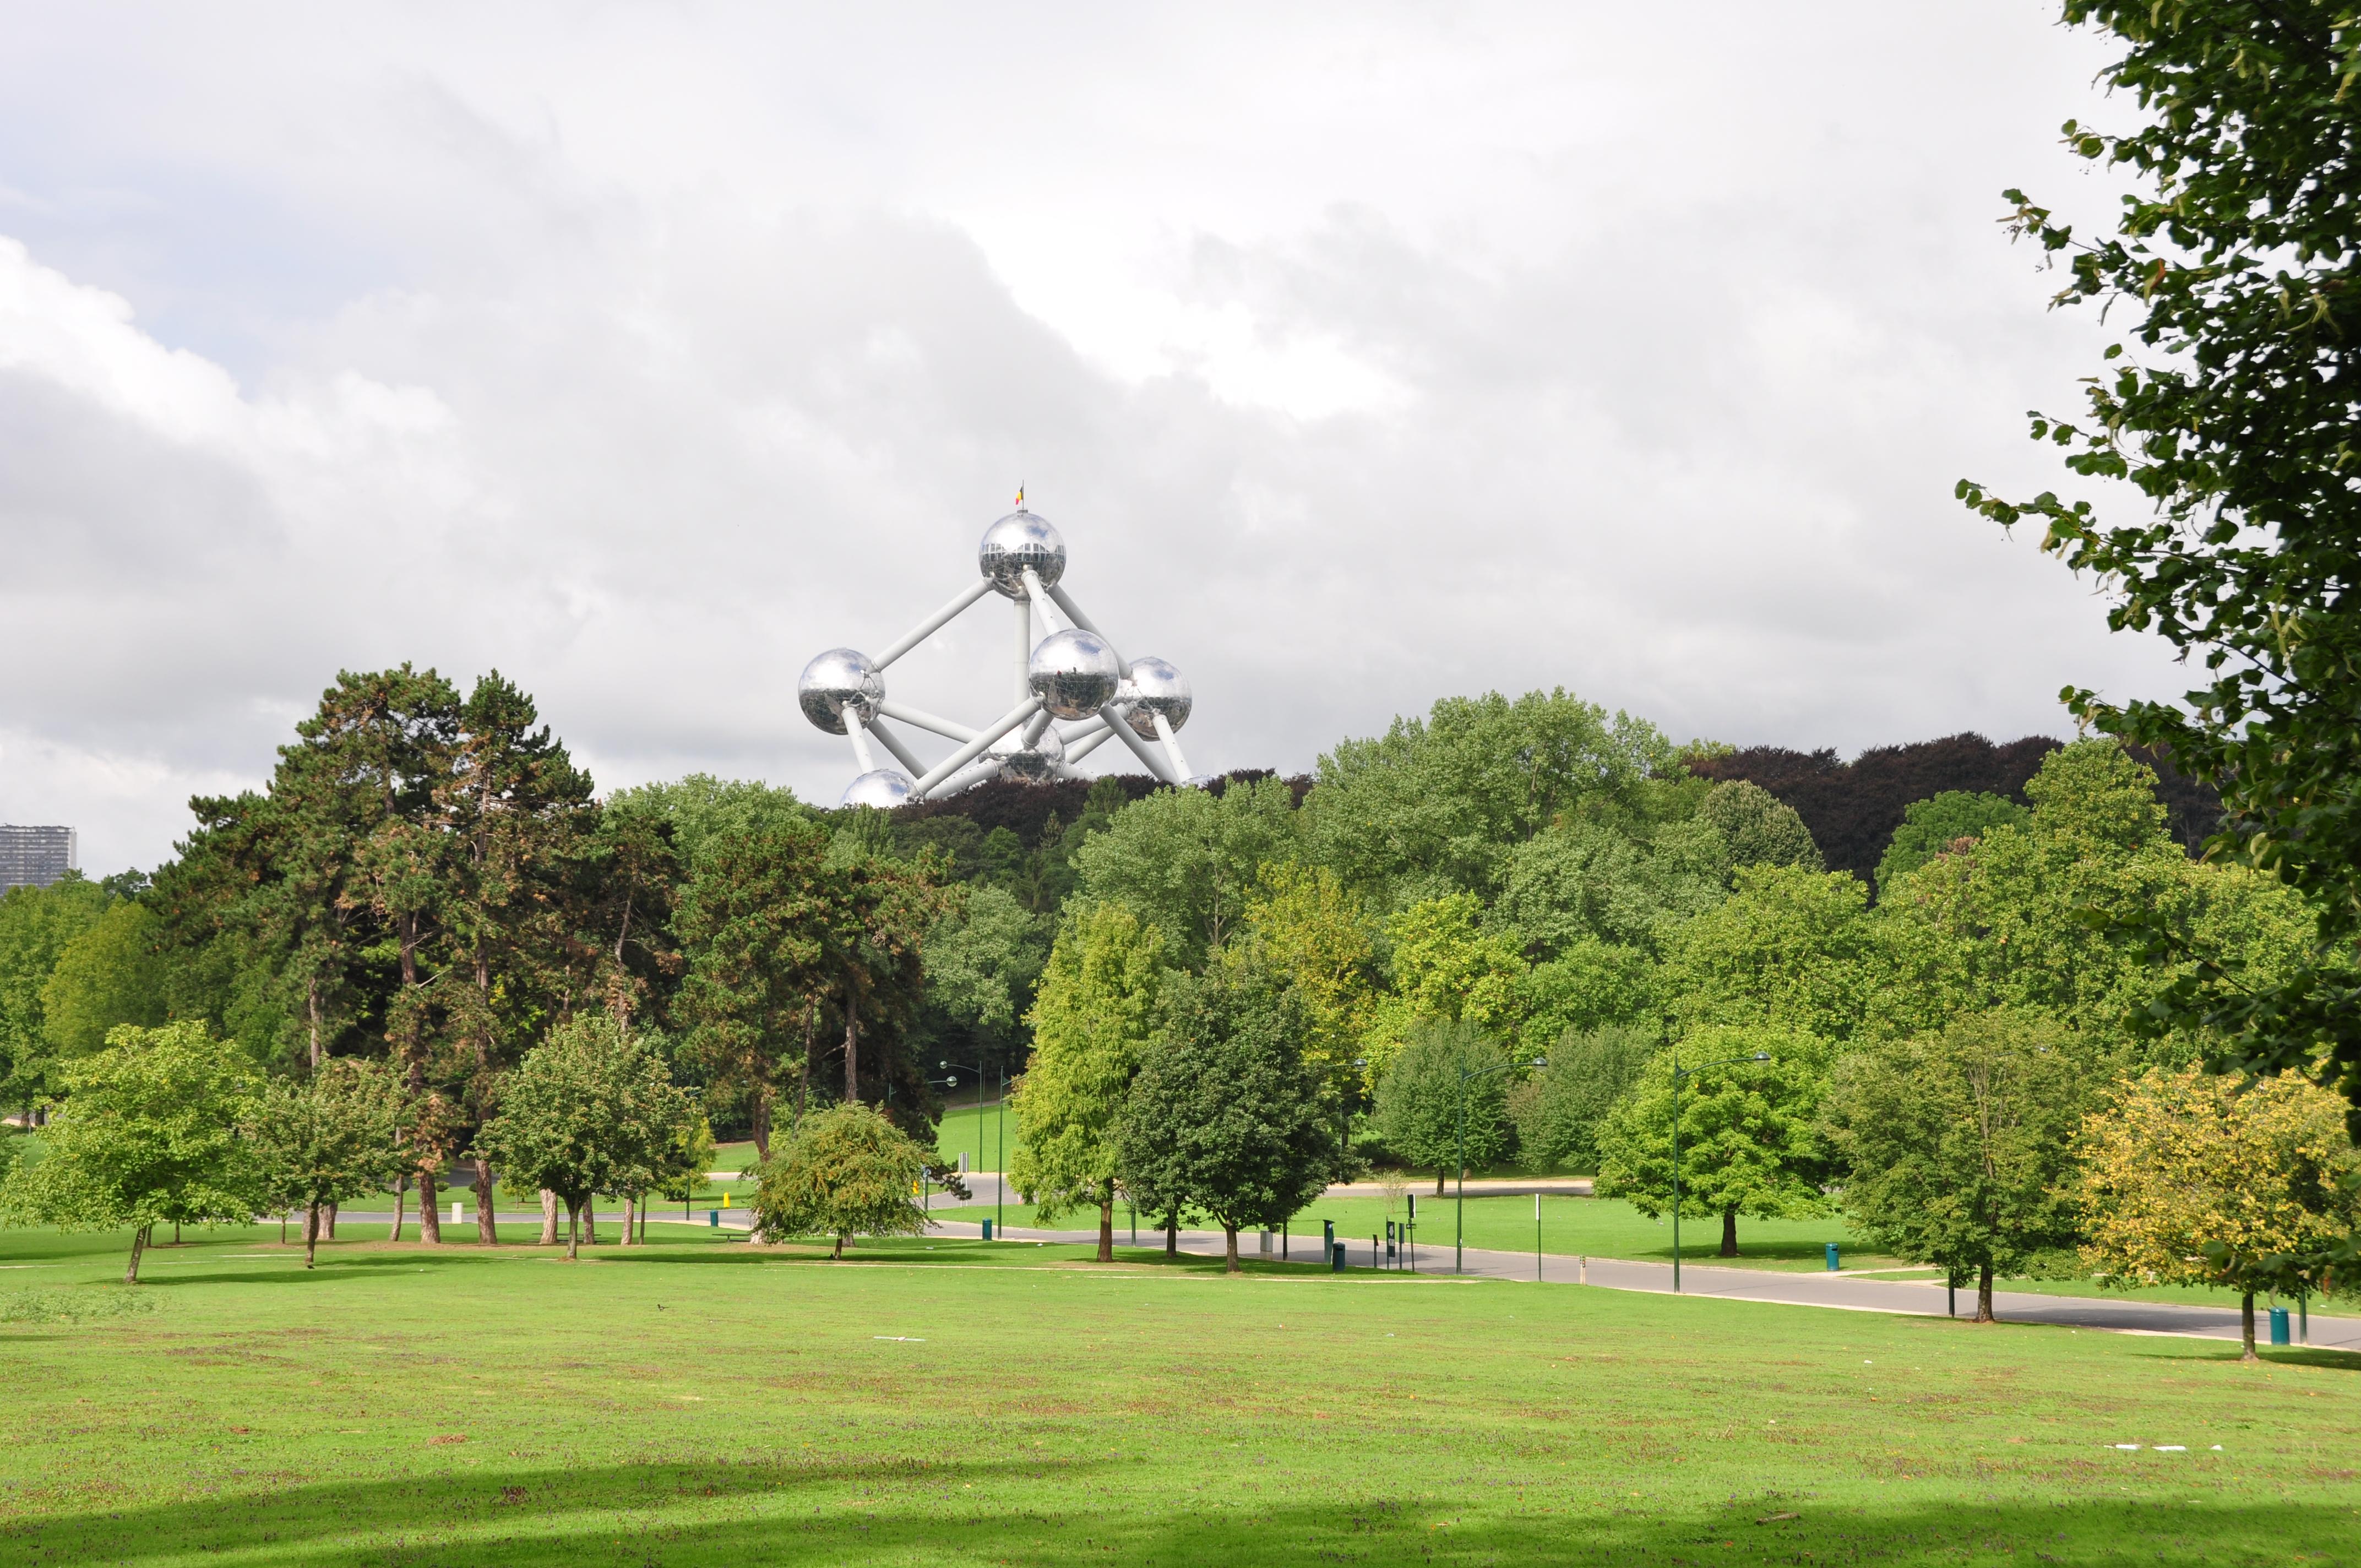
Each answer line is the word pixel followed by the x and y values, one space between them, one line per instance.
pixel 1364 354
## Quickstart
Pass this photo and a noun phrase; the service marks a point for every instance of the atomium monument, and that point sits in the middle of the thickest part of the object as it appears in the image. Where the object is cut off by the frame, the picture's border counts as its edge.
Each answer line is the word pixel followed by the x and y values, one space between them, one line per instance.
pixel 1066 669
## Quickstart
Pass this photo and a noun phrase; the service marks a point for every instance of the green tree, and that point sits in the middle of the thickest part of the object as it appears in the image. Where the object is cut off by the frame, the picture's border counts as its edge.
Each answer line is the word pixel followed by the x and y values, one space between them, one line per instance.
pixel 846 1171
pixel 1759 829
pixel 2228 406
pixel 1092 1023
pixel 1930 827
pixel 1791 948
pixel 1225 1115
pixel 1444 1100
pixel 1960 1145
pixel 1591 986
pixel 1187 861
pixel 148 1136
pixel 110 975
pixel 752 924
pixel 1446 965
pixel 36 925
pixel 589 1108
pixel 1749 1140
pixel 1435 806
pixel 324 1139
pixel 2193 1180
pixel 1595 881
pixel 1556 1112
pixel 698 810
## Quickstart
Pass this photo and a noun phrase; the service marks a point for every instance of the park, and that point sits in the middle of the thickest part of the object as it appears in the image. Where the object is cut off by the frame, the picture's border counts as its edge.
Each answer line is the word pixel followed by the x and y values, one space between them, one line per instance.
pixel 688 1043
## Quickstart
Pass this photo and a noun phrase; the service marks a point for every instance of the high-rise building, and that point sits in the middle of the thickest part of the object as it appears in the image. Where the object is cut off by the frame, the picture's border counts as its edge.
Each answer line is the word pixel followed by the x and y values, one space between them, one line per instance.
pixel 36 857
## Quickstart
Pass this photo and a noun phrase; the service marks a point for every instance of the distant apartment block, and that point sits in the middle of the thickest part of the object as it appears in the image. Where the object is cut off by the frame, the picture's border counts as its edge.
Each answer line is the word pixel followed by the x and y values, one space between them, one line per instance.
pixel 35 857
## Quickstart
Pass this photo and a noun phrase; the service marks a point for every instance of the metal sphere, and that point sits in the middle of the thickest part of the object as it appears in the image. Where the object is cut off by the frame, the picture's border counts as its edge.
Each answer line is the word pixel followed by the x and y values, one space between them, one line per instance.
pixel 1018 541
pixel 1074 673
pixel 836 680
pixel 884 788
pixel 1032 763
pixel 1154 687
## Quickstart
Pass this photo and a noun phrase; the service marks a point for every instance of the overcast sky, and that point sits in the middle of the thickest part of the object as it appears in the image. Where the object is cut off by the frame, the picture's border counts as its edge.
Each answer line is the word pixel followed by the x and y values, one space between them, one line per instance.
pixel 1364 356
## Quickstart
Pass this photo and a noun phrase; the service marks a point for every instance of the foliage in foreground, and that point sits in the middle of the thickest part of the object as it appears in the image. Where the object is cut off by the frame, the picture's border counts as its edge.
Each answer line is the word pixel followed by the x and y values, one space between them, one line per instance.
pixel 846 1171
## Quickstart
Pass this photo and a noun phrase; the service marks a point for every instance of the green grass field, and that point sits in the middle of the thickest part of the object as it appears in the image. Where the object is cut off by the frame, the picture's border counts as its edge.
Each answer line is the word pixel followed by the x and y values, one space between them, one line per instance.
pixel 701 1401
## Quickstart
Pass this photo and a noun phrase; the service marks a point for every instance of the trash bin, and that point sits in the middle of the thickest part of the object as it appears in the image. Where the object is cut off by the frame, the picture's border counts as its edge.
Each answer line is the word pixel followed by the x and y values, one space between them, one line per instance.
pixel 713 1219
pixel 1336 1261
pixel 1832 1257
pixel 987 1230
pixel 2280 1325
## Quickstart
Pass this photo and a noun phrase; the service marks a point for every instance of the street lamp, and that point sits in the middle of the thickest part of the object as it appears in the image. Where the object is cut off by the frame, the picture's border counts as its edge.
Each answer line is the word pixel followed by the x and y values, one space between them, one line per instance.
pixel 1459 1204
pixel 1680 1072
pixel 999 1127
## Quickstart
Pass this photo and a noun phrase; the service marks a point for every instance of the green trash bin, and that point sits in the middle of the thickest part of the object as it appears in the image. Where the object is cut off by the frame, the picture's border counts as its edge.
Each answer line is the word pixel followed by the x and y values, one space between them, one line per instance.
pixel 1832 1257
pixel 713 1219
pixel 987 1230
pixel 2280 1325
pixel 1337 1259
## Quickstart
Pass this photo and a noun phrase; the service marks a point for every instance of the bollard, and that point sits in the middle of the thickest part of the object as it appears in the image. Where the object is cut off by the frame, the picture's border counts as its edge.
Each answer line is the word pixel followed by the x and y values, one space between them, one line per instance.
pixel 713 1219
pixel 1582 1270
pixel 987 1230
pixel 1832 1257
pixel 2279 1326
pixel 725 1199
pixel 1336 1257
pixel 458 1211
pixel 1327 1237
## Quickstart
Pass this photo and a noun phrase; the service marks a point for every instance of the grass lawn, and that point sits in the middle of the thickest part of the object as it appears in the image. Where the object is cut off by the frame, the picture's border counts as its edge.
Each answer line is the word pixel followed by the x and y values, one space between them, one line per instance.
pixel 698 1401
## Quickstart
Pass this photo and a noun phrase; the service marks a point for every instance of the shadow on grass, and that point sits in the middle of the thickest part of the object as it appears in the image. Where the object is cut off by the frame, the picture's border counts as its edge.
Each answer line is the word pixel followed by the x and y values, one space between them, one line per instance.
pixel 675 1516
pixel 2282 1355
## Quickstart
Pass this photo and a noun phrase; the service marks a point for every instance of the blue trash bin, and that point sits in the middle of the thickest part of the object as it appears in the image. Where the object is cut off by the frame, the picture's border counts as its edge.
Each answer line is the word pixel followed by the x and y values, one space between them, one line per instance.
pixel 2280 1325
pixel 987 1230
pixel 713 1219
pixel 1832 1257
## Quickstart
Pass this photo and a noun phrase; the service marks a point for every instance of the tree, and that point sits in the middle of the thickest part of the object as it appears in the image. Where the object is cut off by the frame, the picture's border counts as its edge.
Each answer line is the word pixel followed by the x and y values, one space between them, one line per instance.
pixel 325 1139
pixel 588 1107
pixel 1959 1146
pixel 1556 1112
pixel 1225 1115
pixel 108 976
pixel 36 925
pixel 1092 1022
pixel 875 915
pixel 1591 986
pixel 1791 950
pixel 750 922
pixel 1444 1100
pixel 2188 1179
pixel 1301 923
pixel 1749 1140
pixel 1595 881
pixel 1930 827
pixel 847 1171
pixel 1435 805
pixel 2229 409
pixel 984 959
pixel 148 1136
pixel 1758 829
pixel 1187 861
pixel 1446 965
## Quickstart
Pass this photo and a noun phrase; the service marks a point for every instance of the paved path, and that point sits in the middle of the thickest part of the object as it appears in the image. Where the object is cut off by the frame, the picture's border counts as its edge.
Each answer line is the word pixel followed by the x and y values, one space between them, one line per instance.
pixel 1841 1291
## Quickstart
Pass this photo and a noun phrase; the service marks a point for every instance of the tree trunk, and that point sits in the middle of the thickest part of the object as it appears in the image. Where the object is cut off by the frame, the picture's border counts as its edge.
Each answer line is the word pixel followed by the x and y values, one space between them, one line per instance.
pixel 590 1220
pixel 763 1123
pixel 838 1254
pixel 1730 1232
pixel 851 1051
pixel 140 1245
pixel 573 1228
pixel 429 1215
pixel 1172 1238
pixel 1438 1183
pixel 1983 1295
pixel 548 1218
pixel 488 1225
pixel 2246 1327
pixel 328 1217
pixel 1106 1231
pixel 1230 1250
pixel 312 1000
pixel 176 1233
pixel 401 1194
pixel 311 1237
pixel 631 1218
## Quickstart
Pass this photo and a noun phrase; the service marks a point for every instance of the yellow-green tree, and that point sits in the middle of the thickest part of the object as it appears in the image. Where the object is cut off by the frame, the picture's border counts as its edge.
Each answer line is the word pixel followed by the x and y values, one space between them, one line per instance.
pixel 847 1171
pixel 2191 1179
pixel 1302 924
pixel 1790 950
pixel 1091 1021
pixel 1446 967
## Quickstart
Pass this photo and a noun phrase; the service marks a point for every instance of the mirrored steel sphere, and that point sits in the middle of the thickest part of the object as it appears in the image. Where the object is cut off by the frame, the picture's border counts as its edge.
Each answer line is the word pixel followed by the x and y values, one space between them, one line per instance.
pixel 836 680
pixel 1155 687
pixel 1029 762
pixel 1073 672
pixel 885 789
pixel 1018 541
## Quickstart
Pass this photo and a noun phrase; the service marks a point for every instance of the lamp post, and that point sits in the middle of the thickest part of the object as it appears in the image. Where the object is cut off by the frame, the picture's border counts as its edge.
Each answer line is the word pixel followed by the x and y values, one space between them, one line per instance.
pixel 1000 1123
pixel 1459 1204
pixel 1680 1072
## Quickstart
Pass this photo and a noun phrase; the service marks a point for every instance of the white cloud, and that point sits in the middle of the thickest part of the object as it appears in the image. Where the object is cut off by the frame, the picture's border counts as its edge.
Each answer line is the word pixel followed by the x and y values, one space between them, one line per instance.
pixel 1366 357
